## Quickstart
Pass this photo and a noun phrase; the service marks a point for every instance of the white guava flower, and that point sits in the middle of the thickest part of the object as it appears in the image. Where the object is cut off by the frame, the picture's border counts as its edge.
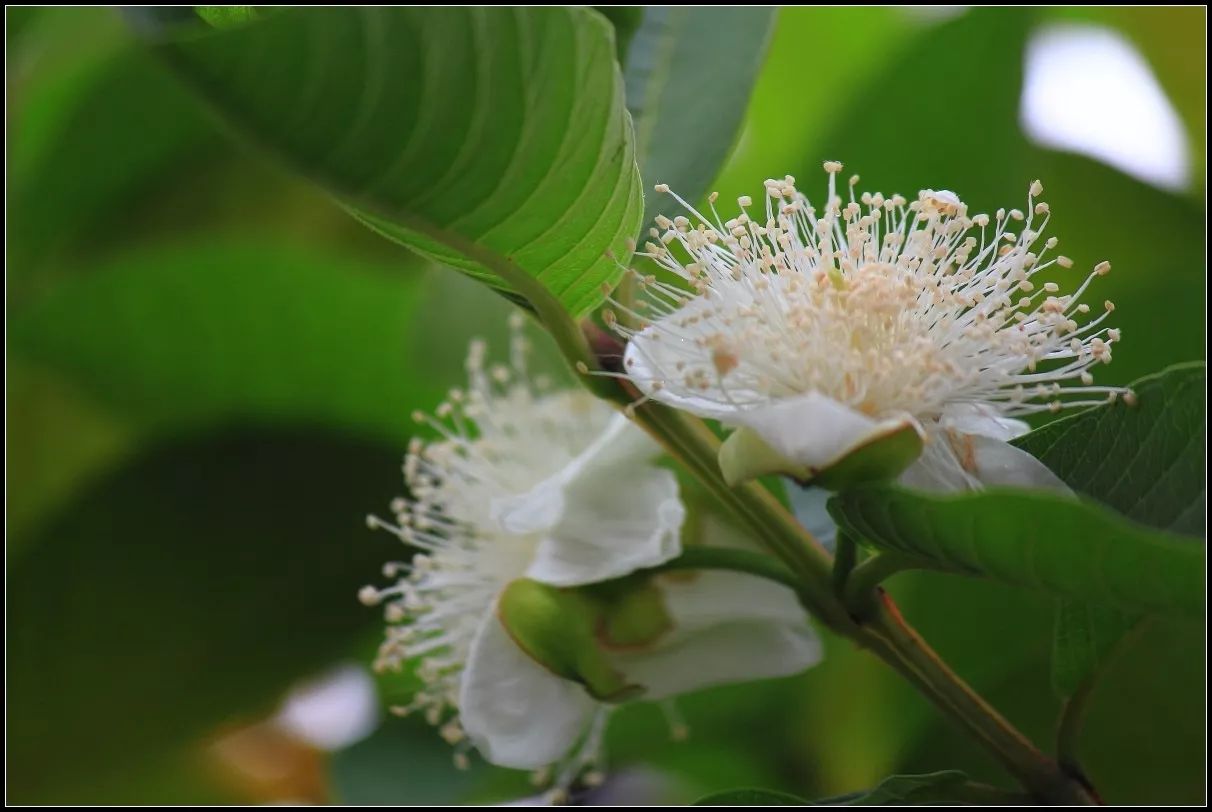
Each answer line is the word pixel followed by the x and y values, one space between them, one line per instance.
pixel 820 332
pixel 557 488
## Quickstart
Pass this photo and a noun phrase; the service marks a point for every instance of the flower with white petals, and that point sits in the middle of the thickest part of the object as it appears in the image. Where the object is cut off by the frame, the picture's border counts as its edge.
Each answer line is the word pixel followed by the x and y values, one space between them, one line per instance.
pixel 820 332
pixel 557 491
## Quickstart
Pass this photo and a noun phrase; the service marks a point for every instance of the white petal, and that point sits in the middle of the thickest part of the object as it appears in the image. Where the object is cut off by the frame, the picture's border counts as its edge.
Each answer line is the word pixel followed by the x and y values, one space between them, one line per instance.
pixel 619 518
pixel 516 712
pixel 728 627
pixel 537 509
pixel 651 357
pixel 978 418
pixel 961 462
pixel 938 468
pixel 622 442
pixel 541 507
pixel 709 597
pixel 815 430
pixel 999 463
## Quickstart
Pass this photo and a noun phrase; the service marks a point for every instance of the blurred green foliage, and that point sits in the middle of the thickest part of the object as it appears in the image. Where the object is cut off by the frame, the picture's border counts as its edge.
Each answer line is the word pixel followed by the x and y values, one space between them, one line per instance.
pixel 211 367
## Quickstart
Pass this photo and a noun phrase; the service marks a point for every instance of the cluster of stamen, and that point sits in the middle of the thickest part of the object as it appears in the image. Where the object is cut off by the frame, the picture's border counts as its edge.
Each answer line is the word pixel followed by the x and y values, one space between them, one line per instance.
pixel 884 304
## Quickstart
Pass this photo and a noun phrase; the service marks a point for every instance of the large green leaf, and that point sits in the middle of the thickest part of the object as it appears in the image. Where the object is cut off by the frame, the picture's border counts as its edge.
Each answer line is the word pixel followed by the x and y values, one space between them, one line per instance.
pixel 801 93
pixel 94 124
pixel 689 72
pixel 207 332
pixel 1083 638
pixel 1159 328
pixel 132 126
pixel 1147 462
pixel 184 592
pixel 252 330
pixel 109 151
pixel 473 135
pixel 1068 547
pixel 901 136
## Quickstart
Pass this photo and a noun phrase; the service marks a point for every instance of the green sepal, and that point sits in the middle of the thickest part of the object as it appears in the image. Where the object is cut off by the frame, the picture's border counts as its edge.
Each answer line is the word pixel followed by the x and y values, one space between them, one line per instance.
pixel 879 458
pixel 631 612
pixel 558 628
pixel 745 455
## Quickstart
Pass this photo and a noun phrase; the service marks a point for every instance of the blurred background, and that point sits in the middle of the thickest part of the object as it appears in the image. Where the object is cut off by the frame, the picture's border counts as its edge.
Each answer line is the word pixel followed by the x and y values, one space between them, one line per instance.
pixel 210 369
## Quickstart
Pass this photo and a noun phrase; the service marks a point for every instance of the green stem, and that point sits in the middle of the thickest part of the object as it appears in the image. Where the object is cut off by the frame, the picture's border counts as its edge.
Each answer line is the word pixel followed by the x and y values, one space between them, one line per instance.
pixel 898 644
pixel 859 588
pixel 844 560
pixel 1073 711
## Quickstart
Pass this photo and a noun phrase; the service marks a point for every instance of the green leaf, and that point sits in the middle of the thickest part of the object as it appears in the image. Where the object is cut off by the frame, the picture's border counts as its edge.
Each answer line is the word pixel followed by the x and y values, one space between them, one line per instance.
pixel 689 72
pixel 1149 465
pixel 473 135
pixel 751 797
pixel 921 136
pixel 92 131
pixel 188 590
pixel 1146 460
pixel 207 332
pixel 1068 547
pixel 800 97
pixel 1083 638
